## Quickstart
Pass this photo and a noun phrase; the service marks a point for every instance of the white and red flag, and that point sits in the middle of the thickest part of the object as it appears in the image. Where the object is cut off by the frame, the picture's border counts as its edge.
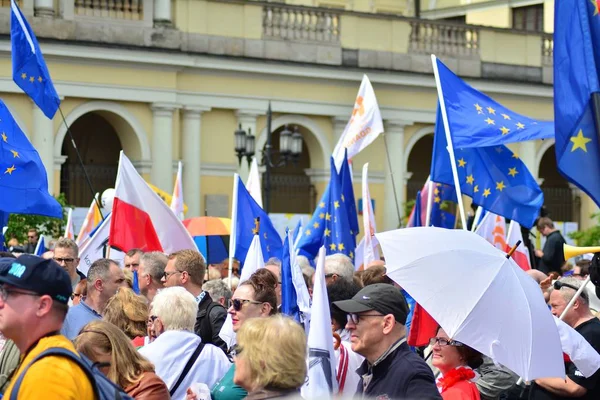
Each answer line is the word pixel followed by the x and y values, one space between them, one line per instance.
pixel 141 219
pixel 91 221
pixel 493 229
pixel 177 199
pixel 70 229
pixel 521 254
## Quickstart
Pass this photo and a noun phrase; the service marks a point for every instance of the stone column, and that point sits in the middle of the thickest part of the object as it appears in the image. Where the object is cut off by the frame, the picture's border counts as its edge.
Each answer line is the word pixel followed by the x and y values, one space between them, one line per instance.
pixel 394 140
pixel 58 163
pixel 190 151
pixel 44 8
pixel 526 153
pixel 161 174
pixel 247 118
pixel 162 12
pixel 42 139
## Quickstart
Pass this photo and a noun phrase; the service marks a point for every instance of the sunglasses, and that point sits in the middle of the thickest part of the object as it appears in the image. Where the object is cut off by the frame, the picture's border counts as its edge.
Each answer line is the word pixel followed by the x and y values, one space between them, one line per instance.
pixel 355 318
pixel 237 304
pixel 444 342
pixel 65 260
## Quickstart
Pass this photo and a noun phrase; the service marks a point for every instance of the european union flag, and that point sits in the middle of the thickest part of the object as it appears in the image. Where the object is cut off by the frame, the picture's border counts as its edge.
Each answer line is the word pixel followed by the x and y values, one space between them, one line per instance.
pixel 439 217
pixel 348 194
pixel 30 72
pixel 338 236
pixel 475 120
pixel 577 93
pixel 313 232
pixel 289 298
pixel 494 177
pixel 23 179
pixel 250 220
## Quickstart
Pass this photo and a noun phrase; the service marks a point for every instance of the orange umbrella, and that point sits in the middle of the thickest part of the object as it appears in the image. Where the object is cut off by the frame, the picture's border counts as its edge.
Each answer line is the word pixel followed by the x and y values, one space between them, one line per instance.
pixel 208 226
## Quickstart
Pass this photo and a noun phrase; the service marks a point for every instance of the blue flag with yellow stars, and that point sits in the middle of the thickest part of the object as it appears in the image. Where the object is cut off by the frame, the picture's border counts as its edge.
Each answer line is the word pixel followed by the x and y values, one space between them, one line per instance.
pixel 475 120
pixel 289 298
pixel 23 179
pixel 494 177
pixel 338 236
pixel 250 220
pixel 313 232
pixel 577 93
pixel 439 217
pixel 348 194
pixel 30 72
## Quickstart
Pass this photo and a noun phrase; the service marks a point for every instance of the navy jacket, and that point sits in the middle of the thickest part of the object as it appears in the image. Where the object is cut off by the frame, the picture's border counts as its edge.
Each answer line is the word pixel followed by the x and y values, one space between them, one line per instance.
pixel 400 375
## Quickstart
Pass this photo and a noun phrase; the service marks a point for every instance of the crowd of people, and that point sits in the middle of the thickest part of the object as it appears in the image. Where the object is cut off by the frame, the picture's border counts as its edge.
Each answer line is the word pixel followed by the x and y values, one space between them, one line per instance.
pixel 188 334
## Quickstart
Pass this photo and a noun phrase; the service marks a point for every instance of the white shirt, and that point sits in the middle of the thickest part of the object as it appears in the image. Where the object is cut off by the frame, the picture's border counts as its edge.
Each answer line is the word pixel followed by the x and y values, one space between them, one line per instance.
pixel 171 351
pixel 350 363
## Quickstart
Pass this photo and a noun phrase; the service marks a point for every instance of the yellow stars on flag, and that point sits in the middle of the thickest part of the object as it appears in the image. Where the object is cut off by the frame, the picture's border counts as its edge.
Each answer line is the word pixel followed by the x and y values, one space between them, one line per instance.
pixel 515 155
pixel 478 108
pixel 491 110
pixel 31 79
pixel 462 162
pixel 505 116
pixel 321 205
pixel 23 75
pixel 328 217
pixel 265 235
pixel 579 142
pixel 520 125
pixel 307 232
pixel 322 215
pixel 437 199
pixel 332 246
pixel 513 172
pixel 486 192
pixel 256 226
pixel 15 153
pixel 470 179
pixel 4 137
pixel 476 189
pixel 490 121
pixel 40 80
pixel 500 185
pixel 436 191
pixel 504 130
pixel 336 204
pixel 343 198
pixel 341 247
pixel 351 254
pixel 316 225
pixel 10 170
pixel 327 232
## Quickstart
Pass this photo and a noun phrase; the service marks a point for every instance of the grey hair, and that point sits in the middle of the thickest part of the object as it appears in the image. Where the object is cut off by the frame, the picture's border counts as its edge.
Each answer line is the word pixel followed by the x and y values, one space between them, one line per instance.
pixel 216 288
pixel 65 243
pixel 154 264
pixel 341 265
pixel 176 308
pixel 274 261
pixel 569 293
pixel 100 269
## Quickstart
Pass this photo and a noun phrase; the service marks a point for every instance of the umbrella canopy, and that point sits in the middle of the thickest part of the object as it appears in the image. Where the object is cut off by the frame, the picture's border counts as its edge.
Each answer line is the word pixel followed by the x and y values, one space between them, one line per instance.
pixel 477 295
pixel 211 235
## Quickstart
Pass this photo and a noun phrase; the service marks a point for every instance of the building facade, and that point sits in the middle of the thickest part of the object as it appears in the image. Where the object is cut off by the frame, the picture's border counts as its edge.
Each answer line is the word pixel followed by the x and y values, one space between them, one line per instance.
pixel 171 80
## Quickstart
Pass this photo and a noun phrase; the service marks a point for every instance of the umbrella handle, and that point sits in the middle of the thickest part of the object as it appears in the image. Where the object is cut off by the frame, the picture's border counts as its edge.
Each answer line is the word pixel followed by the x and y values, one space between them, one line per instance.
pixel 511 251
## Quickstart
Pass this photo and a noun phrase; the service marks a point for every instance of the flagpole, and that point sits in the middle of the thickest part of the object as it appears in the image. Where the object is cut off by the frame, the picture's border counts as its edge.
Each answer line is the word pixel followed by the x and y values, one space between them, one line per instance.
pixel 387 152
pixel 450 147
pixel 232 234
pixel 476 218
pixel 510 229
pixel 429 200
pixel 87 177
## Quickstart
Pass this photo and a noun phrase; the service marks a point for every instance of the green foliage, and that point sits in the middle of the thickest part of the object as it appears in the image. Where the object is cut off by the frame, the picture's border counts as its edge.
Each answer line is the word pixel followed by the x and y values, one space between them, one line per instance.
pixel 588 237
pixel 19 224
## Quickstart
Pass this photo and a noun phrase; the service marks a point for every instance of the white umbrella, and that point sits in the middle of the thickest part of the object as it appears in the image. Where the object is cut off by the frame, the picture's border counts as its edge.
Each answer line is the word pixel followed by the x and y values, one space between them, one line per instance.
pixel 477 295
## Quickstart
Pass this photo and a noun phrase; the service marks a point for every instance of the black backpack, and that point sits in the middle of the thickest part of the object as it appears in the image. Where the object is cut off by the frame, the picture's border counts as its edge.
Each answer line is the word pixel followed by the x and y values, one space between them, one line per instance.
pixel 104 388
pixel 203 326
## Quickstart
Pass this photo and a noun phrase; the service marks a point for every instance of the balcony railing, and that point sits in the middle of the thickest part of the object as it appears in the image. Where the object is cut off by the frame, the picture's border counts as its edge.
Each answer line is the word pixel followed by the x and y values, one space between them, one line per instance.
pixel 117 9
pixel 547 49
pixel 300 23
pixel 450 39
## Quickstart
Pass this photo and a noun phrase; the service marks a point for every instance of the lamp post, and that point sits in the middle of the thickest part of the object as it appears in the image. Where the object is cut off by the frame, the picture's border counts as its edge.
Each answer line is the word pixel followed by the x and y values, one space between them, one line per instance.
pixel 290 148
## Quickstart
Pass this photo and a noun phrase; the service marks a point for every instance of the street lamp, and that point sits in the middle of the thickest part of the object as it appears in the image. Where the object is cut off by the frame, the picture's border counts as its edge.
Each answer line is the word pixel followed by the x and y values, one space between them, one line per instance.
pixel 290 149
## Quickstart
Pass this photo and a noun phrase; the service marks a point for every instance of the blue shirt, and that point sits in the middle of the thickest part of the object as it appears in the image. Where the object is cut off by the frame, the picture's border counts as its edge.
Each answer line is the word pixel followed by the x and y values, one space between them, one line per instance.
pixel 77 317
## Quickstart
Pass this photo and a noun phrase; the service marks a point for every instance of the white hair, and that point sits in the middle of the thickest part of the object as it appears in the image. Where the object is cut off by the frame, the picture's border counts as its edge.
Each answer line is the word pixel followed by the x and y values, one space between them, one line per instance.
pixel 235 281
pixel 176 308
pixel 341 265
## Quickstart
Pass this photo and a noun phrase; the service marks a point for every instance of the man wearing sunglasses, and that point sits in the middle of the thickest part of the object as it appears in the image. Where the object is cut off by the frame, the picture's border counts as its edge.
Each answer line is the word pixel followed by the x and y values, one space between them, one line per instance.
pixel 377 314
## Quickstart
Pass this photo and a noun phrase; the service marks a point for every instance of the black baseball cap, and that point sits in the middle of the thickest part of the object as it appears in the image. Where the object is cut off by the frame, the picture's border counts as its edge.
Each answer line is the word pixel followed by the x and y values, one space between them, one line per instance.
pixel 381 297
pixel 38 275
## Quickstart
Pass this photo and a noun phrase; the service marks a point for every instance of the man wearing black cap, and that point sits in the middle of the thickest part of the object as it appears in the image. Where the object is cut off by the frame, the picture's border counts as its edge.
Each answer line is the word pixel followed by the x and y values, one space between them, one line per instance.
pixel 376 319
pixel 34 295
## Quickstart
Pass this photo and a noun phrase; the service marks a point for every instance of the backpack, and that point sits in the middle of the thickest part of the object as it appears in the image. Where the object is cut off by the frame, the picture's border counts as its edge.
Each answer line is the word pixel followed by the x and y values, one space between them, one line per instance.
pixel 204 326
pixel 104 388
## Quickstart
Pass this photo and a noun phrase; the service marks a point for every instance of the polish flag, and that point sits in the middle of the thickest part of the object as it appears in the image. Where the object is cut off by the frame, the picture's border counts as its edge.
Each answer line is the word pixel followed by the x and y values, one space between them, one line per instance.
pixel 91 221
pixel 521 254
pixel 493 229
pixel 422 328
pixel 177 199
pixel 70 229
pixel 141 219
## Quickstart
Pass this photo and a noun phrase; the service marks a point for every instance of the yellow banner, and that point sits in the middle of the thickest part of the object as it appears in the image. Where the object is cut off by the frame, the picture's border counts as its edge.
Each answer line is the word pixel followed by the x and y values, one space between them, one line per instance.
pixel 165 196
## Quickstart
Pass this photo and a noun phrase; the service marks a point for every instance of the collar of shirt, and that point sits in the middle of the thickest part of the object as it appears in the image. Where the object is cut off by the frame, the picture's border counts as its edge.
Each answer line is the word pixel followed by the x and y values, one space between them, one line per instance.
pixel 90 309
pixel 200 297
pixel 388 351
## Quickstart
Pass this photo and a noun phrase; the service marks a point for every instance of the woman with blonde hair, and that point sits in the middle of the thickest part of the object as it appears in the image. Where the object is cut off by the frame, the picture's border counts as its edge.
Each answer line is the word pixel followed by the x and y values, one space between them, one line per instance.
pixel 270 361
pixel 128 312
pixel 105 344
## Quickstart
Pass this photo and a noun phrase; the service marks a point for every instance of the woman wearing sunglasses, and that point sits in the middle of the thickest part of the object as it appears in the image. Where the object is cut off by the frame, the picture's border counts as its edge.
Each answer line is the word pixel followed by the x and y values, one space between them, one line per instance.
pixel 254 298
pixel 456 362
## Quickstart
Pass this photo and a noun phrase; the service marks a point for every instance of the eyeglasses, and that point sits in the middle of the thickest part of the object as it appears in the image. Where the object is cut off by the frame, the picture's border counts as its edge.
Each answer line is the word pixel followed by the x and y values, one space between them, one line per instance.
pixel 235 351
pixel 31 237
pixel 558 285
pixel 75 295
pixel 65 260
pixel 169 274
pixel 355 318
pixel 444 342
pixel 5 292
pixel 237 304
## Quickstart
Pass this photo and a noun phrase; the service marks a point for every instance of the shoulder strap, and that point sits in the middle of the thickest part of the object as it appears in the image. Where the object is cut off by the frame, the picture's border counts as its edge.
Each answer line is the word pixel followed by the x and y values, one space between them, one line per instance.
pixel 55 351
pixel 186 369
